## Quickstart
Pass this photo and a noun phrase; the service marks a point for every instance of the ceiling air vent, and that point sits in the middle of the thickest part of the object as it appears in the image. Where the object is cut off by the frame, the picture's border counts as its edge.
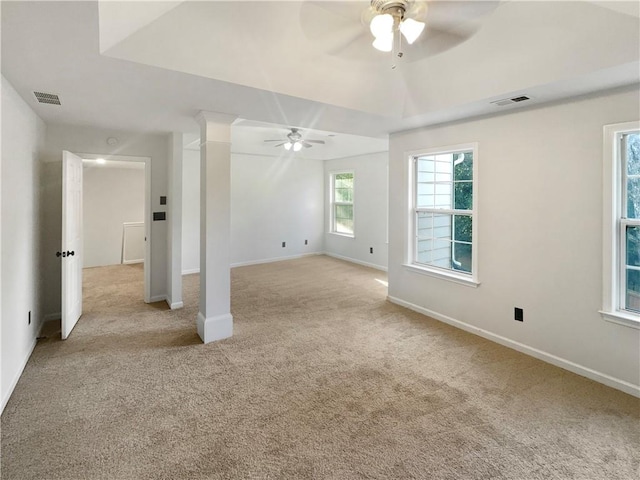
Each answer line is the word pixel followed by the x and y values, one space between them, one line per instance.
pixel 509 101
pixel 49 98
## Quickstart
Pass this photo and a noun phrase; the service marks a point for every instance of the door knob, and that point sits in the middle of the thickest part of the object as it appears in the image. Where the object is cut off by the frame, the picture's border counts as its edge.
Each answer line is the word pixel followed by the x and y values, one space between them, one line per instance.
pixel 70 253
pixel 58 254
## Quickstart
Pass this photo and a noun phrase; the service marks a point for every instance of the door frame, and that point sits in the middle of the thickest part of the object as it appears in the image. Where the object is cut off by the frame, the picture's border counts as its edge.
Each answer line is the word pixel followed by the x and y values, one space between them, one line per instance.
pixel 147 209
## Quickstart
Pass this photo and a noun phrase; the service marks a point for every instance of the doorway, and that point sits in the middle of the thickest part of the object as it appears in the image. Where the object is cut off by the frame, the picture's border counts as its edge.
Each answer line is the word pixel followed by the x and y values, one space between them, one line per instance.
pixel 116 217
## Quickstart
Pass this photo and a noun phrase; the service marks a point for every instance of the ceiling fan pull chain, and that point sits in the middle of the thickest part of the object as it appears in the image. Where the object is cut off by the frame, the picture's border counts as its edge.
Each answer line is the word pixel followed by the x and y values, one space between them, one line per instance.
pixel 399 54
pixel 395 46
pixel 397 42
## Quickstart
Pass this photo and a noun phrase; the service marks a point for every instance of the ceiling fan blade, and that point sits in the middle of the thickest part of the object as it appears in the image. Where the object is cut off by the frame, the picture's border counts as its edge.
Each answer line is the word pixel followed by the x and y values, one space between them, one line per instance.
pixel 436 41
pixel 418 10
pixel 349 45
pixel 306 144
pixel 341 28
pixel 278 140
pixel 321 142
pixel 336 27
pixel 448 24
pixel 317 16
pixel 280 144
pixel 451 14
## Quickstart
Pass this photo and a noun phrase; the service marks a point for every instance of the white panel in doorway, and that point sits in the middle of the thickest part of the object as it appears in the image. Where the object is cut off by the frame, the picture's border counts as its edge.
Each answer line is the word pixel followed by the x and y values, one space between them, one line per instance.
pixel 132 242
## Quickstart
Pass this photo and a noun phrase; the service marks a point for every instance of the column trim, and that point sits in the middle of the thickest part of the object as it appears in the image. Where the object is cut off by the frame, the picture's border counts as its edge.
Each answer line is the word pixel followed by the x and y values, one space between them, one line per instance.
pixel 214 328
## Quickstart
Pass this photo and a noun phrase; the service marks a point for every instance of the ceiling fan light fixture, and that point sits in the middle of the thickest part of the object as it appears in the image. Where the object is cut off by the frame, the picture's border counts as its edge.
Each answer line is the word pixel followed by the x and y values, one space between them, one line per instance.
pixel 411 29
pixel 381 25
pixel 384 43
pixel 294 141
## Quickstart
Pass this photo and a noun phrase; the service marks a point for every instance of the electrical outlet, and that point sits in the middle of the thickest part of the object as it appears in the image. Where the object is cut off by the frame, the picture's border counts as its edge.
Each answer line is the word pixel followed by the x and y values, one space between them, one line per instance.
pixel 370 249
pixel 284 244
pixel 518 314
pixel 29 317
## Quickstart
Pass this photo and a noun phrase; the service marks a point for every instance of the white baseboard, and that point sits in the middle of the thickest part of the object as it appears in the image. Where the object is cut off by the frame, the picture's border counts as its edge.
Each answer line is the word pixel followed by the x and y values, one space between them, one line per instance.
pixel 25 360
pixel 129 262
pixel 599 377
pixel 174 305
pixel 214 328
pixel 258 262
pixel 17 376
pixel 273 259
pixel 353 260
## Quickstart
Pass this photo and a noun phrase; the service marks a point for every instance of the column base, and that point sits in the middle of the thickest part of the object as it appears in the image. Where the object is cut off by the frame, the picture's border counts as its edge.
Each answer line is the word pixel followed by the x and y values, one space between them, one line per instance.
pixel 215 328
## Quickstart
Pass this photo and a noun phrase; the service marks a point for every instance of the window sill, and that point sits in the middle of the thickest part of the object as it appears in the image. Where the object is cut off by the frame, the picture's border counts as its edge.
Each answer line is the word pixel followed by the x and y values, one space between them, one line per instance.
pixel 622 318
pixel 346 235
pixel 443 275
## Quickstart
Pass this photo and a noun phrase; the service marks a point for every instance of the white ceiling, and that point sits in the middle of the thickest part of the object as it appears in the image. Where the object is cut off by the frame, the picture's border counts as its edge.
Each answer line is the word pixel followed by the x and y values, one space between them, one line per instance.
pixel 250 137
pixel 280 64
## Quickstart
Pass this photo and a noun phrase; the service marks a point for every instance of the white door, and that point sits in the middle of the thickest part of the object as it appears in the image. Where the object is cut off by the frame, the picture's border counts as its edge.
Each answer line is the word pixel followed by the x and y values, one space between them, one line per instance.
pixel 71 255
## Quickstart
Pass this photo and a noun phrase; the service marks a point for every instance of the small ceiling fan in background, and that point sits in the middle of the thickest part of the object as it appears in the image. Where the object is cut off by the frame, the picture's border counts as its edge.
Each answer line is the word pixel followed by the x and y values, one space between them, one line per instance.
pixel 295 141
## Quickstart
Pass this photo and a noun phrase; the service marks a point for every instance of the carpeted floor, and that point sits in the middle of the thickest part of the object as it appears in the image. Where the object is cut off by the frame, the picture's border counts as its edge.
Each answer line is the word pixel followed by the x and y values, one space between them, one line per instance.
pixel 323 379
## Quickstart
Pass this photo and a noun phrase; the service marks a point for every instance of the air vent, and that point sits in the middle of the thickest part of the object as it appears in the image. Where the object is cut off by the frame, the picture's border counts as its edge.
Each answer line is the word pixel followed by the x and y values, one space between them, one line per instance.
pixel 501 103
pixel 509 101
pixel 49 98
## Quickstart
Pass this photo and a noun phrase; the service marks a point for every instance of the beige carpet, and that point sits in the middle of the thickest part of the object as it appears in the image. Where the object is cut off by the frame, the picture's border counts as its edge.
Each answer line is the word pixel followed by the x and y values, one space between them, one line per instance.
pixel 323 379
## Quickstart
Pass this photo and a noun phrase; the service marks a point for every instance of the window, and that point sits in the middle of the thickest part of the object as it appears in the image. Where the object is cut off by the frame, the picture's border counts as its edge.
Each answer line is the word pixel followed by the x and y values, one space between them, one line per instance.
pixel 342 203
pixel 622 224
pixel 444 220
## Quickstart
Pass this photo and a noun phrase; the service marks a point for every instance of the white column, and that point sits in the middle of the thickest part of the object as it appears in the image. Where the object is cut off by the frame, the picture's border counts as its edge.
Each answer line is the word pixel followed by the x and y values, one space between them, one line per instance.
pixel 214 318
pixel 174 230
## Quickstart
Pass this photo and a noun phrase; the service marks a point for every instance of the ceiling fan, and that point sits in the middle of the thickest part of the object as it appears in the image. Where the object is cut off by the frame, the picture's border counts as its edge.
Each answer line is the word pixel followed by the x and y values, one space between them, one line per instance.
pixel 295 141
pixel 359 30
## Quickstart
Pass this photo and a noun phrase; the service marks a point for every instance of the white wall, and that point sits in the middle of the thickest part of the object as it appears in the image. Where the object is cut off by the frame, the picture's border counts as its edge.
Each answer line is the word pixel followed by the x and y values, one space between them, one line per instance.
pixel 370 210
pixel 273 200
pixel 540 235
pixel 111 196
pixel 23 134
pixel 190 211
pixel 94 141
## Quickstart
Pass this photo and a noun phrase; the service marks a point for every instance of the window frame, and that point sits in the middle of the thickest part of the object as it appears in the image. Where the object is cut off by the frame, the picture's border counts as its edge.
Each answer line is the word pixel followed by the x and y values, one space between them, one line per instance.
pixel 614 226
pixel 470 279
pixel 333 204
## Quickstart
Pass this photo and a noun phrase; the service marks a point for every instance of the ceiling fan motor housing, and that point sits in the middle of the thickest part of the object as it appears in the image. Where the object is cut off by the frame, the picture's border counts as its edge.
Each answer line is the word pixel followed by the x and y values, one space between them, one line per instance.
pixel 393 7
pixel 294 136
